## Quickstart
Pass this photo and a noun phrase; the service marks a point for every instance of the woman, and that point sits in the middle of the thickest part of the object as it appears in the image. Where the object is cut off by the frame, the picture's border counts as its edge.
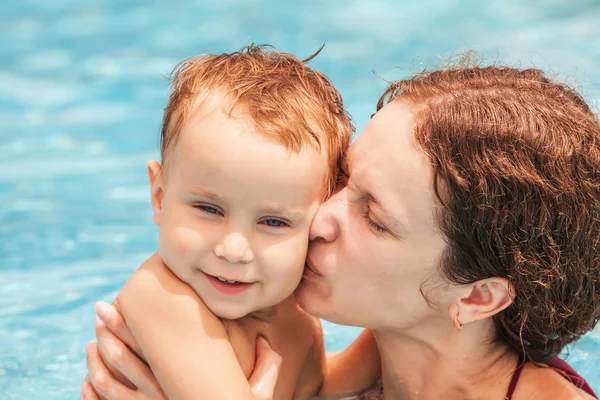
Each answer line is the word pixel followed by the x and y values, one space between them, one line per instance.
pixel 466 237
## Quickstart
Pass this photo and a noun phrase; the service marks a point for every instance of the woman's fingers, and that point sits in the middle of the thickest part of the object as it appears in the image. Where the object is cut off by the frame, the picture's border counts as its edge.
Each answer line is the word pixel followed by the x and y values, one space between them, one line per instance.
pixel 113 319
pixel 117 354
pixel 87 392
pixel 101 333
pixel 266 370
pixel 103 382
pixel 86 387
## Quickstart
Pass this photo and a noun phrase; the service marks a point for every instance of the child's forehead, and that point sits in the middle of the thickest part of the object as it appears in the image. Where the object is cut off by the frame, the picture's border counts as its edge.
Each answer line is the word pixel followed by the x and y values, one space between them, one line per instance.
pixel 210 116
pixel 250 167
pixel 216 132
pixel 204 117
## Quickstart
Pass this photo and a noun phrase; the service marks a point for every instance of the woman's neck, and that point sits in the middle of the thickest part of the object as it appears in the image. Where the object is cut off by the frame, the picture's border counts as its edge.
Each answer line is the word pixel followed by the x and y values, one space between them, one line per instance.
pixel 444 364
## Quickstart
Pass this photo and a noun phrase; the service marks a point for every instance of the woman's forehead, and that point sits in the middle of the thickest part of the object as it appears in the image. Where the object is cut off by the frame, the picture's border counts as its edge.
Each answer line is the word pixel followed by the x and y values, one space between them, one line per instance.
pixel 387 140
pixel 387 162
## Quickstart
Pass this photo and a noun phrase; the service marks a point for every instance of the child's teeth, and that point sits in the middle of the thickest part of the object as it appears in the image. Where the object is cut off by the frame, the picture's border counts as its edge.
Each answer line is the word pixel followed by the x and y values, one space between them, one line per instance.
pixel 226 281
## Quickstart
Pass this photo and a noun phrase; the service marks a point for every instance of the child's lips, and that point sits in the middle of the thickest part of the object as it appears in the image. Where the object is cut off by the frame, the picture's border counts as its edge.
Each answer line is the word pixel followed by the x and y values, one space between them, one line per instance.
pixel 229 280
pixel 228 288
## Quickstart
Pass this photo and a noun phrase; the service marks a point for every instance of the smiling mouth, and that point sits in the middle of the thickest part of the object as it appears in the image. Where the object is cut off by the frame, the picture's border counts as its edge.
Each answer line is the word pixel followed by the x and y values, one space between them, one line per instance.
pixel 227 286
pixel 229 282
pixel 225 280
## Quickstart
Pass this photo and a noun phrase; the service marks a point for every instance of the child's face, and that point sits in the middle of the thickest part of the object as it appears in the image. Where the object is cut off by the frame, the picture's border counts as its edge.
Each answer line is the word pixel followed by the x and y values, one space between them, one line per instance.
pixel 234 205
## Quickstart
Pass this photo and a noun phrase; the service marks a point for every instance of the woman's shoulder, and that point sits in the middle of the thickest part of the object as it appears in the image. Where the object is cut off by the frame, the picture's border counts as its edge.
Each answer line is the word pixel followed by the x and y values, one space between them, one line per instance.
pixel 547 383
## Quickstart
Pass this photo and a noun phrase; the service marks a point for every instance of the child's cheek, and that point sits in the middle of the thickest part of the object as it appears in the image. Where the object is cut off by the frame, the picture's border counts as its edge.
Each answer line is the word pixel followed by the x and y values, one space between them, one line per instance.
pixel 286 260
pixel 180 249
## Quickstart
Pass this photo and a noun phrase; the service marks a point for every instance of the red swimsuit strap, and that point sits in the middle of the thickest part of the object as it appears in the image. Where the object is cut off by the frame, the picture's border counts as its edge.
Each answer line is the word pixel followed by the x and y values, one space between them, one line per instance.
pixel 558 365
pixel 513 381
pixel 571 375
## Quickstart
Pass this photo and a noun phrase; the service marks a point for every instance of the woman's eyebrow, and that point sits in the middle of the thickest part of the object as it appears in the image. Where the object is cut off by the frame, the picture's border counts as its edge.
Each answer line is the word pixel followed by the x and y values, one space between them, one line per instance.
pixel 396 224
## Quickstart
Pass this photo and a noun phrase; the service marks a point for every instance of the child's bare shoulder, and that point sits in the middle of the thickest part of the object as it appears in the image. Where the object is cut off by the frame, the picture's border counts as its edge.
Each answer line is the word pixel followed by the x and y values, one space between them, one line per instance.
pixel 154 287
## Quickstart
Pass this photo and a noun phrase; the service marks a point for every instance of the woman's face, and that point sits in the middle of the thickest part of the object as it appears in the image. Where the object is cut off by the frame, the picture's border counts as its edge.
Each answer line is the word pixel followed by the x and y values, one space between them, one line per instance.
pixel 375 244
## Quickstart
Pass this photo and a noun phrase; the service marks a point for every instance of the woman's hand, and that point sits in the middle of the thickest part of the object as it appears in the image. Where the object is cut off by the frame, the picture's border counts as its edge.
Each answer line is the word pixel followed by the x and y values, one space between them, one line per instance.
pixel 266 370
pixel 131 377
pixel 115 341
pixel 103 383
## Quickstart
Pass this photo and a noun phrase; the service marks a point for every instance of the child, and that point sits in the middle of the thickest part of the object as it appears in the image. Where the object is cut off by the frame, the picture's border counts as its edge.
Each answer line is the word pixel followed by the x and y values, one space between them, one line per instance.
pixel 251 144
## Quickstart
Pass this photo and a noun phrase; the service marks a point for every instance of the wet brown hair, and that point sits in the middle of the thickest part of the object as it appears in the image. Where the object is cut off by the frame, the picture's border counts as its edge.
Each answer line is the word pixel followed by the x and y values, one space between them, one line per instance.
pixel 516 165
pixel 287 100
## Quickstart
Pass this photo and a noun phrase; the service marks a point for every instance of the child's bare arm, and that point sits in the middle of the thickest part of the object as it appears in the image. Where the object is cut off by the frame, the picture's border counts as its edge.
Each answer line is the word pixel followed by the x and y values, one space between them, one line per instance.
pixel 115 337
pixel 183 342
pixel 354 369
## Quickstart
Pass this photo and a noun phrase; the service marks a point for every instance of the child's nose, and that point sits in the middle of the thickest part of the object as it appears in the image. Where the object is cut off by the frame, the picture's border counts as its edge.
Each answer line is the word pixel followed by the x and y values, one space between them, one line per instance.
pixel 234 248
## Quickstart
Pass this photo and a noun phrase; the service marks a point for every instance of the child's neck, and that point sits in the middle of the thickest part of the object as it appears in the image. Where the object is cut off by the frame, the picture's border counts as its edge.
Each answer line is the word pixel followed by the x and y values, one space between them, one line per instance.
pixel 275 312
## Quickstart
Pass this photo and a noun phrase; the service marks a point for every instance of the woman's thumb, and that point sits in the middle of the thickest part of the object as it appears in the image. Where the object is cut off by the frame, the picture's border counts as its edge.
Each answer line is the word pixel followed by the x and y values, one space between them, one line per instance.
pixel 266 370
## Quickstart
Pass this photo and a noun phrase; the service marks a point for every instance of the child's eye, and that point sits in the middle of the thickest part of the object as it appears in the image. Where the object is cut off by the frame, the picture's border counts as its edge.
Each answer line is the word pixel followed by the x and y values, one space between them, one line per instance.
pixel 209 209
pixel 276 223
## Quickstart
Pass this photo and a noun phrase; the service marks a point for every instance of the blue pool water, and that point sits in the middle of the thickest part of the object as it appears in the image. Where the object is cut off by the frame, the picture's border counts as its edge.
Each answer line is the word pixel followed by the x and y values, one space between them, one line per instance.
pixel 82 86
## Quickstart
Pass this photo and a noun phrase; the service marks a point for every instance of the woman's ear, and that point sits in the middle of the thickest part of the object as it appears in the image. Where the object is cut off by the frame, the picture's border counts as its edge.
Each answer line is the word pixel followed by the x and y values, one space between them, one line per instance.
pixel 156 190
pixel 482 299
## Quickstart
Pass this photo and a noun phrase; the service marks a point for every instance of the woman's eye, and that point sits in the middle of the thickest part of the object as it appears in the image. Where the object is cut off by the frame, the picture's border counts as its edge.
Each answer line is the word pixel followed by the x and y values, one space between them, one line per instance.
pixel 209 209
pixel 276 223
pixel 372 224
pixel 376 227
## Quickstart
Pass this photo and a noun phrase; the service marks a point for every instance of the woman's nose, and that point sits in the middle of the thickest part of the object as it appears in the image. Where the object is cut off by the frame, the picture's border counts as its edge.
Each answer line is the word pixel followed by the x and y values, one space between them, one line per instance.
pixel 235 248
pixel 326 225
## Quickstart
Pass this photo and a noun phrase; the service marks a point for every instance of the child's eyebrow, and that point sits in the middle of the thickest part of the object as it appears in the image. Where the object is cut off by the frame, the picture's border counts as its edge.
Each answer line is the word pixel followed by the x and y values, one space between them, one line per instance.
pixel 206 194
pixel 292 214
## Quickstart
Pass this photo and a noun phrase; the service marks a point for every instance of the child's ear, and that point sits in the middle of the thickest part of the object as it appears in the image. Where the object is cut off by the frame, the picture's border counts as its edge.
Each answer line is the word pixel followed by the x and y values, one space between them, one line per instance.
pixel 156 190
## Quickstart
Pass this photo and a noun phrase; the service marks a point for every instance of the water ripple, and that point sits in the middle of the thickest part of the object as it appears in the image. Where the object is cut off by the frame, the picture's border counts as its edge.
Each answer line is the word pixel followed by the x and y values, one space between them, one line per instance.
pixel 82 88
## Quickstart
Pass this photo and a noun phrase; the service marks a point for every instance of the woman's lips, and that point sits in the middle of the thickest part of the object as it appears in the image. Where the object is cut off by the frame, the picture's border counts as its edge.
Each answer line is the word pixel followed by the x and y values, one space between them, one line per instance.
pixel 309 270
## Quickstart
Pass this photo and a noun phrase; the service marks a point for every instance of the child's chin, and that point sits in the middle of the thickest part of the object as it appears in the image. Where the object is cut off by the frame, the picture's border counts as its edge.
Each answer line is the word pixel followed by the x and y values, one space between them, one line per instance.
pixel 228 312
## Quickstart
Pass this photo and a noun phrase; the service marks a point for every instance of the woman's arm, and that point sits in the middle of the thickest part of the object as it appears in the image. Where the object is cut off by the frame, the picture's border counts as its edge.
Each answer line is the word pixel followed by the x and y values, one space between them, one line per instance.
pixel 354 369
pixel 116 341
pixel 185 345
